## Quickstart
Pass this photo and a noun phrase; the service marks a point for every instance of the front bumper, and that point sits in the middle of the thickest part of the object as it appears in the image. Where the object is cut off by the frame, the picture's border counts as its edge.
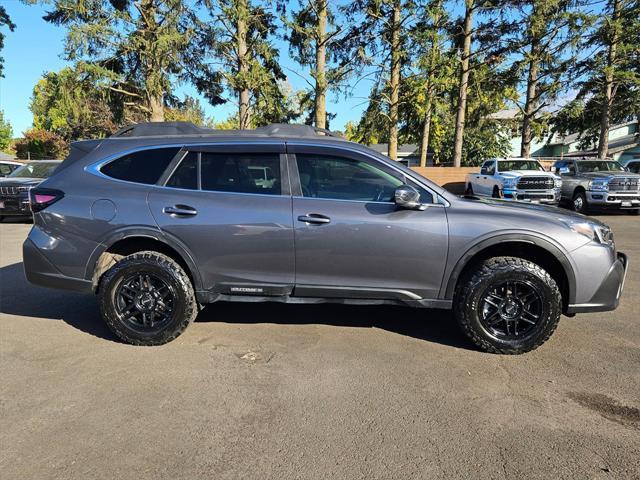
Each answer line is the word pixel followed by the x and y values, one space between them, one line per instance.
pixel 535 196
pixel 14 205
pixel 621 200
pixel 607 296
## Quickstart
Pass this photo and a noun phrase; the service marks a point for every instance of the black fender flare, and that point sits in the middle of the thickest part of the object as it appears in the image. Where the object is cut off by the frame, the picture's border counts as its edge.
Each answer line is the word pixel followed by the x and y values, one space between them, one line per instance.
pixel 142 232
pixel 524 238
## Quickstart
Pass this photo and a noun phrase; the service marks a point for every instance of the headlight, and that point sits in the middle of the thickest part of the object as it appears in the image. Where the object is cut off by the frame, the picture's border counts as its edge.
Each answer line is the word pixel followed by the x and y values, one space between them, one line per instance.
pixel 557 182
pixel 510 183
pixel 599 185
pixel 597 233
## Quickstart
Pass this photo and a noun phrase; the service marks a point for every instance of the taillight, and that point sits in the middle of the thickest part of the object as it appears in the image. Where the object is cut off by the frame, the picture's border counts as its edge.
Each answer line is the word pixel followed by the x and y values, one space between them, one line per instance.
pixel 41 198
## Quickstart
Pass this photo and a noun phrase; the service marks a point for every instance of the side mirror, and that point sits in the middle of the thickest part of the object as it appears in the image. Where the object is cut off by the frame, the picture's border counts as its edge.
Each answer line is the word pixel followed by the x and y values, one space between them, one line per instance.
pixel 408 197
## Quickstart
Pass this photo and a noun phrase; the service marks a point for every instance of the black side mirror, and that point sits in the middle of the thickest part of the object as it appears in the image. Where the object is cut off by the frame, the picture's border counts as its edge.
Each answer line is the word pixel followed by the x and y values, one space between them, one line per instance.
pixel 408 197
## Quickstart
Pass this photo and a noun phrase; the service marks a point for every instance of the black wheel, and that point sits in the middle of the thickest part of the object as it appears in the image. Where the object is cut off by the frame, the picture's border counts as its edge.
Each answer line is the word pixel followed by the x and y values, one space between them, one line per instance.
pixel 469 190
pixel 496 193
pixel 580 203
pixel 508 305
pixel 147 299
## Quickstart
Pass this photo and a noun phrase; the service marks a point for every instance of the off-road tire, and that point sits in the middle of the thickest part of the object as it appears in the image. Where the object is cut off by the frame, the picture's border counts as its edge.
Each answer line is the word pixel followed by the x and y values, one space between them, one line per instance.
pixel 185 310
pixel 585 207
pixel 475 283
pixel 496 193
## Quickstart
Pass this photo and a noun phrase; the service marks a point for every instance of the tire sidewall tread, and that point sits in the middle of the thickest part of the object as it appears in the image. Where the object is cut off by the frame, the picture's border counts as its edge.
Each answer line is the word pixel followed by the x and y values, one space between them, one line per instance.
pixel 474 283
pixel 164 266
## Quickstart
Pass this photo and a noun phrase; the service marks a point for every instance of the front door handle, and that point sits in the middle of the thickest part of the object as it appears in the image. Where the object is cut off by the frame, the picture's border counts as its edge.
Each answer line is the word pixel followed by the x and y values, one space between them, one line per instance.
pixel 314 218
pixel 180 211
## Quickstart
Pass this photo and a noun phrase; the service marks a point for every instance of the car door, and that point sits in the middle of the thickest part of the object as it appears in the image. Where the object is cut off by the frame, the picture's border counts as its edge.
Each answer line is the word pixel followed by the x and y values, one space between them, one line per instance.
pixel 567 171
pixel 238 228
pixel 351 239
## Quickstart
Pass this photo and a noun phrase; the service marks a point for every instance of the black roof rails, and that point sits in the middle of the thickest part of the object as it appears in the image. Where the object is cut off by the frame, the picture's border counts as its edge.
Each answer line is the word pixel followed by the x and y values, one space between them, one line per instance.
pixel 297 130
pixel 188 128
pixel 161 128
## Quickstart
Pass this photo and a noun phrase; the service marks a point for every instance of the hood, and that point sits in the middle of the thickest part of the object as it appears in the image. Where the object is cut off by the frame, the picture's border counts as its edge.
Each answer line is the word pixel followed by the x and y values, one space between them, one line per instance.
pixel 526 173
pixel 540 211
pixel 20 181
pixel 610 174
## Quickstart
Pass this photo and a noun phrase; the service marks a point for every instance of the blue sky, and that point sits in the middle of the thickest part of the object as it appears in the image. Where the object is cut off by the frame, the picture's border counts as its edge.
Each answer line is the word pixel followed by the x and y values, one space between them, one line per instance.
pixel 36 47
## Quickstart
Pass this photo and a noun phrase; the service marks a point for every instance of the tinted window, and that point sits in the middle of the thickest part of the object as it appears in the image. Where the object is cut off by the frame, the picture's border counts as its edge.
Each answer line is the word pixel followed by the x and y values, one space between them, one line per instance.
pixel 145 166
pixel 186 175
pixel 509 165
pixel 634 167
pixel 345 179
pixel 241 172
pixel 599 166
pixel 35 170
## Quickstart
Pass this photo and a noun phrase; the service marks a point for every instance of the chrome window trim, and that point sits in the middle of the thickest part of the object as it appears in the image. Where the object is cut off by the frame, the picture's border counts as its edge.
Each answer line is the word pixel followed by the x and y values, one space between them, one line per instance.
pixel 94 168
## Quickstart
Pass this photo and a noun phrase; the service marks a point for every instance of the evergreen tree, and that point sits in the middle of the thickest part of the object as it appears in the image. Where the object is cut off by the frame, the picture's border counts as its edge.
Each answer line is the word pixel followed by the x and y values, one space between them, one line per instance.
pixel 141 46
pixel 5 21
pixel 241 39
pixel 314 41
pixel 378 40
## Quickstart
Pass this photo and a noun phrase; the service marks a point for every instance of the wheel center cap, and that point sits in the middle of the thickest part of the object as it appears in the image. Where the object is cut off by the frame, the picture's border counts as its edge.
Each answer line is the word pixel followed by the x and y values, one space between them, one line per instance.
pixel 145 301
pixel 510 308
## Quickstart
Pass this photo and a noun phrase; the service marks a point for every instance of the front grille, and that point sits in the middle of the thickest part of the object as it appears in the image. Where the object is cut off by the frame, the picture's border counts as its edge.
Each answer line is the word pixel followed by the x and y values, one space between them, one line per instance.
pixel 536 183
pixel 529 196
pixel 8 190
pixel 623 184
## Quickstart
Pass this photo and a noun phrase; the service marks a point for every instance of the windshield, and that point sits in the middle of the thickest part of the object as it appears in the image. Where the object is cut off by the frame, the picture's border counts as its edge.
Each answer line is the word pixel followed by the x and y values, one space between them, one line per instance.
pixel 35 170
pixel 508 165
pixel 599 166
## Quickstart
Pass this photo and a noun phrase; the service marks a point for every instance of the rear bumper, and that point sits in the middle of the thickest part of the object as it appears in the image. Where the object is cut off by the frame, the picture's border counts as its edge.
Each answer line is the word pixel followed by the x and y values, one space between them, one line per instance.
pixel 40 271
pixel 607 297
pixel 15 205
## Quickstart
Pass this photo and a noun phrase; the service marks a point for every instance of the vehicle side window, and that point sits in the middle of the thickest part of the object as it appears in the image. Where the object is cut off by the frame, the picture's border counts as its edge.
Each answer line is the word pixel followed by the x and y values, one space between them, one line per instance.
pixel 634 167
pixel 488 168
pixel 145 166
pixel 338 178
pixel 5 169
pixel 186 175
pixel 241 172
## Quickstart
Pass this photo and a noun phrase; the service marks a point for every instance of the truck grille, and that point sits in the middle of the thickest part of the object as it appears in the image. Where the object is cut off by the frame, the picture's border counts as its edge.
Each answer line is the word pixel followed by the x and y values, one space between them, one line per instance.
pixel 623 184
pixel 8 190
pixel 536 183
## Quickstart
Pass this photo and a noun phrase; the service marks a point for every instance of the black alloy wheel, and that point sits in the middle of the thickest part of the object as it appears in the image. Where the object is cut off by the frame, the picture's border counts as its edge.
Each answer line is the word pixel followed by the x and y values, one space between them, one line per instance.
pixel 145 301
pixel 510 309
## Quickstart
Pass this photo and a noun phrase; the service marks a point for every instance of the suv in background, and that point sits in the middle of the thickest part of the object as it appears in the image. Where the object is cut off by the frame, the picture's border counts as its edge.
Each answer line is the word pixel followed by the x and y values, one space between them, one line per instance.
pixel 596 183
pixel 162 218
pixel 14 189
pixel 521 179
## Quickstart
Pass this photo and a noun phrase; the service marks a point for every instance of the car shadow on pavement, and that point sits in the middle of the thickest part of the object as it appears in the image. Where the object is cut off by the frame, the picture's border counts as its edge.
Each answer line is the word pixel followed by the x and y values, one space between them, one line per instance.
pixel 19 297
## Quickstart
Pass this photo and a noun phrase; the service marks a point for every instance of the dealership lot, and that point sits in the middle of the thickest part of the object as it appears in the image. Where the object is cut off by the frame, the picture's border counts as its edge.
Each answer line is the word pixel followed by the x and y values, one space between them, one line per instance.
pixel 308 391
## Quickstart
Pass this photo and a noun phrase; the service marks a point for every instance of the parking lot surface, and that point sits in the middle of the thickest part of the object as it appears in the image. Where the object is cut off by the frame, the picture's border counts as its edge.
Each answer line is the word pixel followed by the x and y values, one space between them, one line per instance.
pixel 312 391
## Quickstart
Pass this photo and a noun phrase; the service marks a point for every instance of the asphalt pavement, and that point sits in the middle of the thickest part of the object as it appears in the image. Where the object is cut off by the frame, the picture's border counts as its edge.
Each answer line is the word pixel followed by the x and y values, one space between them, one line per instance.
pixel 312 392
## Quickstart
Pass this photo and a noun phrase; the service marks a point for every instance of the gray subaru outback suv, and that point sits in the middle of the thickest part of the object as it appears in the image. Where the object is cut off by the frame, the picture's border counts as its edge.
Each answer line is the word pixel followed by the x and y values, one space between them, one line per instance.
pixel 160 219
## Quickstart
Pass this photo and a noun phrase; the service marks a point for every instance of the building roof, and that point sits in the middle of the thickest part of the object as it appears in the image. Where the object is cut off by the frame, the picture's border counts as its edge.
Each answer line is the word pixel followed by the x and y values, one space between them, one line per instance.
pixel 404 150
pixel 508 114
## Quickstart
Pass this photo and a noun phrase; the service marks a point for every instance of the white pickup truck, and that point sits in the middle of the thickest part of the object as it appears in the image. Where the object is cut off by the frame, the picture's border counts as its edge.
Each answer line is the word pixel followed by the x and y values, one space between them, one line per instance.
pixel 516 179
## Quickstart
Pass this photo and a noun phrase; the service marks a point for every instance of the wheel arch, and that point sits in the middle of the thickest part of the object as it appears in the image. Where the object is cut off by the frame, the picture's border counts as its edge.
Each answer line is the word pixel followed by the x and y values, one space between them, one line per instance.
pixel 535 249
pixel 134 240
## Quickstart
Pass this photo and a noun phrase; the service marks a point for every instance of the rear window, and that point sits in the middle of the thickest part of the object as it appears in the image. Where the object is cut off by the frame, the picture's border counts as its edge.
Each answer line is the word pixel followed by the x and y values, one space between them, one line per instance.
pixel 145 166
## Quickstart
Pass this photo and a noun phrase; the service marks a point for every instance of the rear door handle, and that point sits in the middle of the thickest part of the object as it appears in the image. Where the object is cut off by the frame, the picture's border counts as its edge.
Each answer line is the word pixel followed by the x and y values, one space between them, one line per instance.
pixel 180 211
pixel 314 218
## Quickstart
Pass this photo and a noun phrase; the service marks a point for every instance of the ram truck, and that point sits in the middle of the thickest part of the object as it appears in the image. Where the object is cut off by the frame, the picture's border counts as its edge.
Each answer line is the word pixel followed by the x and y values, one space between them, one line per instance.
pixel 520 179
